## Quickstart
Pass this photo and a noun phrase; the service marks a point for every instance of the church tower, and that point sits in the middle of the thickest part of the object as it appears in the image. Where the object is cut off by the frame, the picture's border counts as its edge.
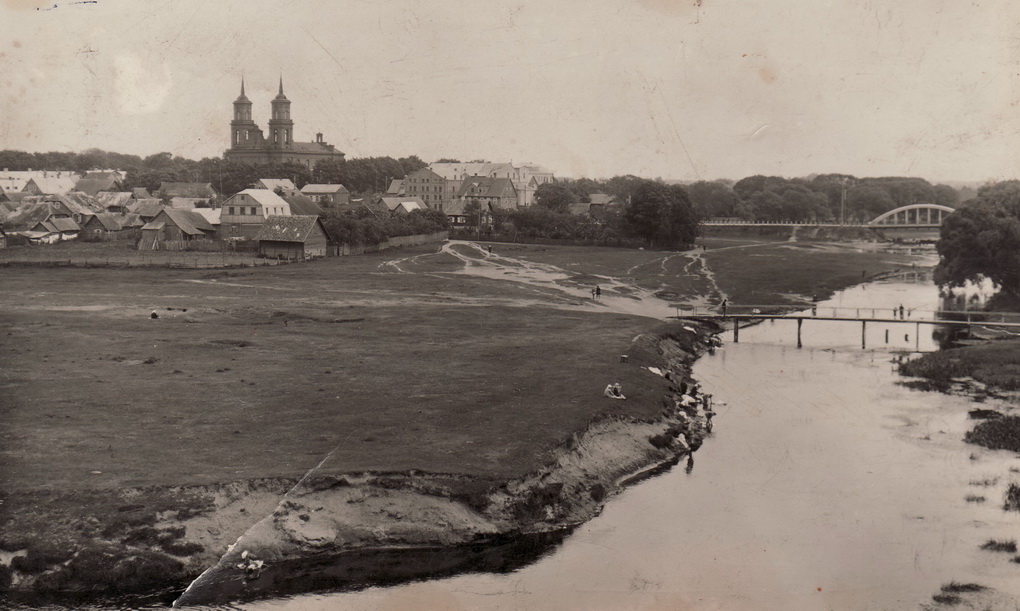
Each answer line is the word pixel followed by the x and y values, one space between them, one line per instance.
pixel 242 128
pixel 281 128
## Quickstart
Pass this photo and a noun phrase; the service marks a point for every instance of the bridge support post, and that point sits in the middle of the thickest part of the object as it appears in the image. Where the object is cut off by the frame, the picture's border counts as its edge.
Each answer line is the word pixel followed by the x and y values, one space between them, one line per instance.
pixel 917 337
pixel 736 331
pixel 864 328
pixel 800 321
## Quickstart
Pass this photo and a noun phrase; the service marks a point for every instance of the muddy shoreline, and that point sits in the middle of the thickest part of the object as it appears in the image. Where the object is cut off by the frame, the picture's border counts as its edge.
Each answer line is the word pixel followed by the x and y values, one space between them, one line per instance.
pixel 342 531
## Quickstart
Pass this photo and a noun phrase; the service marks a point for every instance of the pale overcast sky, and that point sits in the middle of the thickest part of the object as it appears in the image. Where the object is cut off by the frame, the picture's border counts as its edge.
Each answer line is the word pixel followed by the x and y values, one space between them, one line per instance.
pixel 683 89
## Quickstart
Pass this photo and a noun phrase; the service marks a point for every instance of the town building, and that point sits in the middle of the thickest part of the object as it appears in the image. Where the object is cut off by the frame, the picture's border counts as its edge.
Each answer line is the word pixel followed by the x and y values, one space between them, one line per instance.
pixel 428 185
pixel 293 238
pixel 327 196
pixel 55 183
pixel 249 145
pixel 489 193
pixel 243 214
pixel 526 177
pixel 178 226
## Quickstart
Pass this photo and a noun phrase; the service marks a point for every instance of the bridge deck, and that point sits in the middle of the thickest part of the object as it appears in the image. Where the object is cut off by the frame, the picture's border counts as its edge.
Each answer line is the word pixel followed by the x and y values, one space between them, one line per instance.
pixel 923 321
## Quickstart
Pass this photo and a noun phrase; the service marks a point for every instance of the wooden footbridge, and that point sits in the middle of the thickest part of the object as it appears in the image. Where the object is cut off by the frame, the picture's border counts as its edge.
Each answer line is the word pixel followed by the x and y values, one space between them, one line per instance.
pixel 898 315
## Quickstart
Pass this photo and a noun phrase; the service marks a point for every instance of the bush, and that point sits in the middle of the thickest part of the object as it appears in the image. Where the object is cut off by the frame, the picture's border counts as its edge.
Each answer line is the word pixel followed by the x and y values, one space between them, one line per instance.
pixel 997 434
pixel 1012 498
pixel 39 559
pixel 995 545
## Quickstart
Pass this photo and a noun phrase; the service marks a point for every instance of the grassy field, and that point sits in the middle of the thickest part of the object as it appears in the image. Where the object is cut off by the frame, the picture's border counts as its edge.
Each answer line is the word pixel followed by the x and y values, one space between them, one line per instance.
pixel 388 362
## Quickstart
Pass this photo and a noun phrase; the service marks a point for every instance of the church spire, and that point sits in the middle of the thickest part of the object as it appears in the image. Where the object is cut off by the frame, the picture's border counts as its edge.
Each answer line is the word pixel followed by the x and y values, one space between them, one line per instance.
pixel 242 97
pixel 280 95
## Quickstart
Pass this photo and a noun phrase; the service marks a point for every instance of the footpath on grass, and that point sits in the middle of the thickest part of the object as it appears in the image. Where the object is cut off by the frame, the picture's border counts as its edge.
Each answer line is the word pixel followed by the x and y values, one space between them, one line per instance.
pixel 152 540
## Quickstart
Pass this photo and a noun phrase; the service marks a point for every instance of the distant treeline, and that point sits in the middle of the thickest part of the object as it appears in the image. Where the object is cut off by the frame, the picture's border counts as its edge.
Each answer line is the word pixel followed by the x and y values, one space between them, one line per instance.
pixel 366 175
pixel 825 197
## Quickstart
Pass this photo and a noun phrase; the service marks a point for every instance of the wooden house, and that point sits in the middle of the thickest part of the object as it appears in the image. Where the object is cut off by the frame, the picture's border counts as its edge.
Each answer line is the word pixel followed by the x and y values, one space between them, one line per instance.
pixel 295 237
pixel 100 227
pixel 176 227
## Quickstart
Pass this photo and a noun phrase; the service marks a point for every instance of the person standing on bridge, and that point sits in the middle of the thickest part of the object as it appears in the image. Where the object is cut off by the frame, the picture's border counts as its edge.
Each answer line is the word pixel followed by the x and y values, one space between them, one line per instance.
pixel 901 311
pixel 724 307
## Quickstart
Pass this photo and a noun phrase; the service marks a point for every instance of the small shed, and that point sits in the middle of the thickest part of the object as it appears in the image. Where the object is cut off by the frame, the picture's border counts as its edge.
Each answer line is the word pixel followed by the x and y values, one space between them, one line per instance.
pixel 174 226
pixel 294 237
pixel 100 227
pixel 62 226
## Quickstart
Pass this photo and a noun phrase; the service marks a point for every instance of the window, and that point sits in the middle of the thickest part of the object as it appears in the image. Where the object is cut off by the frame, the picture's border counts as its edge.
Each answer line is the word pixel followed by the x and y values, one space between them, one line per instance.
pixel 230 210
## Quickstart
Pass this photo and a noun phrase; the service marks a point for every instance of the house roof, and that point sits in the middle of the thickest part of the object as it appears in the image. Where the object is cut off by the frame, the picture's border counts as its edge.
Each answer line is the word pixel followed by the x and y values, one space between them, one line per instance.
pixel 579 208
pixel 107 220
pixel 92 186
pixel 601 198
pixel 140 193
pixel 146 207
pixel 110 199
pixel 272 183
pixel 396 187
pixel 29 215
pixel 131 220
pixel 320 189
pixel 303 205
pixel 187 221
pixel 77 203
pixel 12 184
pixel 202 190
pixel 62 224
pixel 211 215
pixel 264 197
pixel 405 207
pixel 53 185
pixel 294 228
pixel 479 186
pixel 392 203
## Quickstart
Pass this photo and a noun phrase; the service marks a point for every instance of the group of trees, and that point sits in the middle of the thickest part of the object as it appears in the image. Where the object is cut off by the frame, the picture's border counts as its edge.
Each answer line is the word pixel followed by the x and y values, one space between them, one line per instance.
pixel 363 227
pixel 982 240
pixel 365 175
pixel 655 214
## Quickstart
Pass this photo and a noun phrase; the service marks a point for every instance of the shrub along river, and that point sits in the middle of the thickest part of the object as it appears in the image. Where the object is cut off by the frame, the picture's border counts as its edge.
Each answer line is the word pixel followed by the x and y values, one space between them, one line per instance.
pixel 828 484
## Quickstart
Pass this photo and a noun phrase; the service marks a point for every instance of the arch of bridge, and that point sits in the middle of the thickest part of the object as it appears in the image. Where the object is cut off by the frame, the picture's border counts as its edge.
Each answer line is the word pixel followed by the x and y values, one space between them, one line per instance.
pixel 943 212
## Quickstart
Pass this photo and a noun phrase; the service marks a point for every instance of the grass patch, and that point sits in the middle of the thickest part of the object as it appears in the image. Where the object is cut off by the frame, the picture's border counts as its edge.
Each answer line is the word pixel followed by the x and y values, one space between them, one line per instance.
pixel 996 434
pixel 996 364
pixel 997 545
pixel 1012 502
pixel 954 586
pixel 947 599
pixel 974 498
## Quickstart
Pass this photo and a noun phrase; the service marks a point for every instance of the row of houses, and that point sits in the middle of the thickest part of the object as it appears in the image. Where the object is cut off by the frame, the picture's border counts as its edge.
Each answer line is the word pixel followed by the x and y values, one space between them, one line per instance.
pixel 493 185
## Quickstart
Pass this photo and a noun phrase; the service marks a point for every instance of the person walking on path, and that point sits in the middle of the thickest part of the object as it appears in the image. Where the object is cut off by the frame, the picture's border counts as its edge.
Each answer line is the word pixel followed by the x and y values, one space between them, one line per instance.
pixel 593 292
pixel 598 292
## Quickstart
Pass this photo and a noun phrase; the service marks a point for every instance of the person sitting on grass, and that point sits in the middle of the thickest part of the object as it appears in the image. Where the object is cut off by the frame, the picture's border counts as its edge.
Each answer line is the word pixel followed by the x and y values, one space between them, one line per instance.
pixel 614 391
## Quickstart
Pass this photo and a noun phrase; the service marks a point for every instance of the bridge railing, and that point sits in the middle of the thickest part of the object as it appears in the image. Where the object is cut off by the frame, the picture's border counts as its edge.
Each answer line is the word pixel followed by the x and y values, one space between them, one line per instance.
pixel 848 312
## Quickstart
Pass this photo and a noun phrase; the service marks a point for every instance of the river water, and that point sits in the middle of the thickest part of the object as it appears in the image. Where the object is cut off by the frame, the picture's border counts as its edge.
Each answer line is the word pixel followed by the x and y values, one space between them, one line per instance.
pixel 826 485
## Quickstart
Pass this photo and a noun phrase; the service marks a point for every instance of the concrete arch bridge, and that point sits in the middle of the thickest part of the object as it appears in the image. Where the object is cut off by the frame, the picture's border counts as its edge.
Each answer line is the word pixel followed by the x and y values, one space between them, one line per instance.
pixel 914 215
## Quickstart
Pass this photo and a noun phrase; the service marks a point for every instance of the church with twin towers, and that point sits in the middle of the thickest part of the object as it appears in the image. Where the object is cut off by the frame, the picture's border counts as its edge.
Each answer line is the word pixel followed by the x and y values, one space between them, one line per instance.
pixel 248 144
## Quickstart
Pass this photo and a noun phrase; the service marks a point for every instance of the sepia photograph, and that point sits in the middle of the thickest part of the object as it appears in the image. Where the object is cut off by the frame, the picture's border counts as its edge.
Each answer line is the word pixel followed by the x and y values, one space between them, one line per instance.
pixel 523 305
